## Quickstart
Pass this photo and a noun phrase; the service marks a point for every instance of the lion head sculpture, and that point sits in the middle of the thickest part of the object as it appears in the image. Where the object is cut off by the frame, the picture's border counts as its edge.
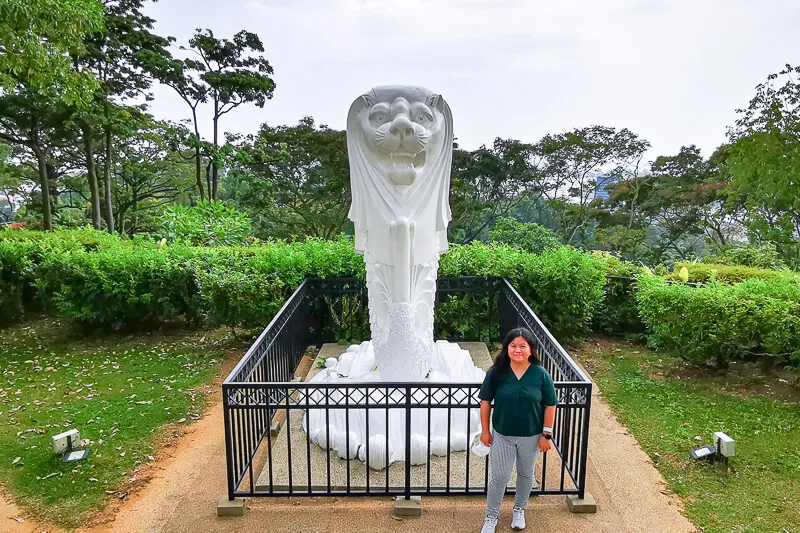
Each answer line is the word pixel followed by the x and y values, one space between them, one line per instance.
pixel 399 141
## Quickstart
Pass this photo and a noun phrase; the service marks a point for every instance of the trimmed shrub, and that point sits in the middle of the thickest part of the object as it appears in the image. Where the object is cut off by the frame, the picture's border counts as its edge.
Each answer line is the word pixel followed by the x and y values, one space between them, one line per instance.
pixel 246 287
pixel 102 282
pixel 562 286
pixel 525 235
pixel 23 287
pixel 717 322
pixel 206 224
pixel 125 287
pixel 617 313
pixel 703 272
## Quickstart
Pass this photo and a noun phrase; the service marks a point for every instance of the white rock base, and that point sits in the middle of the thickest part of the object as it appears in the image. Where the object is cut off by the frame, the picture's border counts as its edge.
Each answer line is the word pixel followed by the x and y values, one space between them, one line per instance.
pixel 347 433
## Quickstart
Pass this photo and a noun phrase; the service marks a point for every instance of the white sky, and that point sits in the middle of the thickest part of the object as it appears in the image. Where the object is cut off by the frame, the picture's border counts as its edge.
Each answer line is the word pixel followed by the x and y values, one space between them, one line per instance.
pixel 671 71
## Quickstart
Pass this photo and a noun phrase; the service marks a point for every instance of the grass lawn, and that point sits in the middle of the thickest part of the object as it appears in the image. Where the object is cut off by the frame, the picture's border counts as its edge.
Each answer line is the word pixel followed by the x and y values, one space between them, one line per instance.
pixel 116 390
pixel 667 404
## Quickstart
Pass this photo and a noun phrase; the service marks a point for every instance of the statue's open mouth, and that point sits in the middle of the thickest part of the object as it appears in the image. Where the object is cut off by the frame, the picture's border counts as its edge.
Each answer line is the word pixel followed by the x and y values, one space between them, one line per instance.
pixel 403 166
pixel 407 158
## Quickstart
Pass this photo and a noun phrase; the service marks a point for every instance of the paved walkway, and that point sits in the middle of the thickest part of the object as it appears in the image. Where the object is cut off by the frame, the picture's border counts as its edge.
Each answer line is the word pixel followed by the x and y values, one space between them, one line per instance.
pixel 188 483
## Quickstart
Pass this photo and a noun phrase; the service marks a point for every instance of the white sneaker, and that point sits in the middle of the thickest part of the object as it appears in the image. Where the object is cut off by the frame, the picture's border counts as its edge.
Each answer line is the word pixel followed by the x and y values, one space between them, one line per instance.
pixel 490 525
pixel 518 519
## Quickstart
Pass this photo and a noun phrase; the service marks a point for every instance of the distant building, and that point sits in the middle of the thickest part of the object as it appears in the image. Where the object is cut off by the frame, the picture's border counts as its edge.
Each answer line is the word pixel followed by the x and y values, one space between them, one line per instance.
pixel 8 206
pixel 602 192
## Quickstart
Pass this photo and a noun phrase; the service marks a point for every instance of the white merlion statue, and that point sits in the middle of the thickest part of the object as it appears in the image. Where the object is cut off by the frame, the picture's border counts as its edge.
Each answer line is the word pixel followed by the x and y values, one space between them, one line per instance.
pixel 400 145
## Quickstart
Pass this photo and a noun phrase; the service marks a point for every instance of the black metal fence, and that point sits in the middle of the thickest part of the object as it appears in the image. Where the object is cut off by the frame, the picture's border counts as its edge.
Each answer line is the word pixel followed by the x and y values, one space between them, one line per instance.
pixel 269 453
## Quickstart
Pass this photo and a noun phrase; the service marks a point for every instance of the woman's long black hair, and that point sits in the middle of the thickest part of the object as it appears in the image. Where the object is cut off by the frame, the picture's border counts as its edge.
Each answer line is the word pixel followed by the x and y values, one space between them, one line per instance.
pixel 502 364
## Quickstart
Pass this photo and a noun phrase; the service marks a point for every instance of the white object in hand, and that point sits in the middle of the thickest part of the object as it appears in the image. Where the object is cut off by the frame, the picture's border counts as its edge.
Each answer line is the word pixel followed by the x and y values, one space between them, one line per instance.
pixel 479 448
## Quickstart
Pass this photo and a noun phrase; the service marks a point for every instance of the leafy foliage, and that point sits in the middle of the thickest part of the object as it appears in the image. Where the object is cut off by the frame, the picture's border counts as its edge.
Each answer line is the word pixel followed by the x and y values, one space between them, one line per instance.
pixel 530 237
pixel 294 181
pixel 579 164
pixel 36 38
pixel 764 257
pixel 703 272
pixel 122 284
pixel 719 322
pixel 206 224
pixel 562 286
pixel 23 285
pixel 488 183
pixel 764 163
pixel 616 313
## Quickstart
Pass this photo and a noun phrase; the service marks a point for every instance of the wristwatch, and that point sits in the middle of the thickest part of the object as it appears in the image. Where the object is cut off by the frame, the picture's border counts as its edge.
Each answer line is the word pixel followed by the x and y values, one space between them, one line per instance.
pixel 547 436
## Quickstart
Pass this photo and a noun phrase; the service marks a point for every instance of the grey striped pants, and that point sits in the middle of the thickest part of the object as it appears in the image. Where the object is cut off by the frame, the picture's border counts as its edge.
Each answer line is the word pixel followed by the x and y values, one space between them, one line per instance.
pixel 504 451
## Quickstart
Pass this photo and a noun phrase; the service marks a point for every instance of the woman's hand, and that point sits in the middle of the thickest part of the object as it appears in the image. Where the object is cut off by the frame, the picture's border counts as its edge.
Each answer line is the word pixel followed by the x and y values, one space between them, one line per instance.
pixel 545 444
pixel 486 438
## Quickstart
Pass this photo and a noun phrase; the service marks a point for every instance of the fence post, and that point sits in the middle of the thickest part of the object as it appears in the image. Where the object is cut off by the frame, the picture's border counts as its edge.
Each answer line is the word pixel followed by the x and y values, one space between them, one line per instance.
pixel 228 442
pixel 585 443
pixel 408 443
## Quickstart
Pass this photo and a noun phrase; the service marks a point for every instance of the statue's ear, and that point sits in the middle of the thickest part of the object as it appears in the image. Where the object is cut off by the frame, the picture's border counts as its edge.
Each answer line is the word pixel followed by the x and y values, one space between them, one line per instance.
pixel 369 98
pixel 436 101
pixel 365 100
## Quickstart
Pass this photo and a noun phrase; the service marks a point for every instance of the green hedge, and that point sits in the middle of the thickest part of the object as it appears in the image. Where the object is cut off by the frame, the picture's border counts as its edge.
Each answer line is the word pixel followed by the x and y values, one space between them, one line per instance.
pixel 22 252
pixel 103 282
pixel 617 313
pixel 120 288
pixel 703 272
pixel 717 322
pixel 246 287
pixel 562 286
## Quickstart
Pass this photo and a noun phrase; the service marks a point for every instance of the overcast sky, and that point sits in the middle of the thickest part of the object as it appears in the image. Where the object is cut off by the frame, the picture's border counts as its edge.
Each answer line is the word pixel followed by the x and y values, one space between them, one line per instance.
pixel 673 72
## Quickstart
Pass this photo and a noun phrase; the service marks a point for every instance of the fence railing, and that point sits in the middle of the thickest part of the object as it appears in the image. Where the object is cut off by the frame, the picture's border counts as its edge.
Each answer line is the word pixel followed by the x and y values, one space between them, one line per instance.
pixel 259 397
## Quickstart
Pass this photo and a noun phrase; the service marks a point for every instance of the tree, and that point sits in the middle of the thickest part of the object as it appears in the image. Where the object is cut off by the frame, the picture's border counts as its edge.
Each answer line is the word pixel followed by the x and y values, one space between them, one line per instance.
pixel 36 40
pixel 764 162
pixel 488 183
pixel 149 174
pixel 579 164
pixel 294 180
pixel 10 183
pixel 176 74
pixel 117 58
pixel 674 203
pixel 226 73
pixel 673 208
pixel 37 124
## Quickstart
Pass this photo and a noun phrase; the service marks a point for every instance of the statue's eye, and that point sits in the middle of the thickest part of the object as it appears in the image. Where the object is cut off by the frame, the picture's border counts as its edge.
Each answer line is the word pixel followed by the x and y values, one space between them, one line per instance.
pixel 425 119
pixel 379 117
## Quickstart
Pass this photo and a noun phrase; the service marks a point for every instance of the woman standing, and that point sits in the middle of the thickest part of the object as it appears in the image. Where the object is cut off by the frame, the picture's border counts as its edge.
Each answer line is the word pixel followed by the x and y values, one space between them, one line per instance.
pixel 524 412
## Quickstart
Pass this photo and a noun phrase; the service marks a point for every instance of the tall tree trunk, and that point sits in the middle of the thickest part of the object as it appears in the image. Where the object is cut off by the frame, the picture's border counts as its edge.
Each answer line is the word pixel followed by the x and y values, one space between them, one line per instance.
pixel 633 206
pixel 198 172
pixel 214 162
pixel 208 179
pixel 41 159
pixel 107 182
pixel 88 149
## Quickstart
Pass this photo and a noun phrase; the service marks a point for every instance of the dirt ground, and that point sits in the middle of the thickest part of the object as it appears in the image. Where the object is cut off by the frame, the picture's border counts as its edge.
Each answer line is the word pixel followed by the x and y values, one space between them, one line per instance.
pixel 188 479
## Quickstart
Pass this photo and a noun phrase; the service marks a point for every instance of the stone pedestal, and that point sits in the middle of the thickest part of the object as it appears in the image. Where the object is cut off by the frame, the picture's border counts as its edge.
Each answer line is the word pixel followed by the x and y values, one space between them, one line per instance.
pixel 236 507
pixel 585 505
pixel 408 508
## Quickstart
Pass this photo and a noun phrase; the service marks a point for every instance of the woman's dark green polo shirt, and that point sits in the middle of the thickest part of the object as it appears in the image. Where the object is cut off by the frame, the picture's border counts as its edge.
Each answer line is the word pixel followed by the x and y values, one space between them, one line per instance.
pixel 519 403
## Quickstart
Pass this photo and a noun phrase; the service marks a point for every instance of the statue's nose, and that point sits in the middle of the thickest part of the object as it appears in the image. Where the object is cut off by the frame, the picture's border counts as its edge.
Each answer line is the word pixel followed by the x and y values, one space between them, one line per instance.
pixel 401 126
